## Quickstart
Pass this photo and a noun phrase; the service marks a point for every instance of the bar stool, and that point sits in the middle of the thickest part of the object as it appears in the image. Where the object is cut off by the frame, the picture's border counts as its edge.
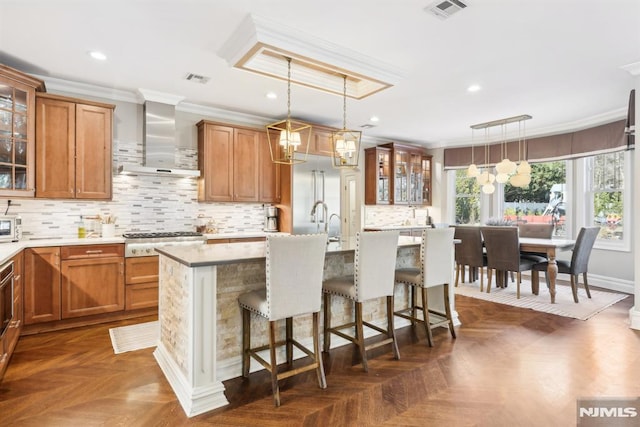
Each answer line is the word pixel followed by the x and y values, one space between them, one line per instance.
pixel 436 268
pixel 374 264
pixel 294 269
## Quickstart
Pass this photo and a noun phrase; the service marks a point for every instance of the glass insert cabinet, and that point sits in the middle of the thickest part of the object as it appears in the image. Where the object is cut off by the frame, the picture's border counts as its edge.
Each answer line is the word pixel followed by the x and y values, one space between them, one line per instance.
pixel 17 132
pixel 397 174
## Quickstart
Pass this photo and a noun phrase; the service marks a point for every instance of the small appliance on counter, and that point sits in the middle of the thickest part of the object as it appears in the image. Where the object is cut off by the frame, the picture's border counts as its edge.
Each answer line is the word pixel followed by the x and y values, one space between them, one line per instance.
pixel 10 228
pixel 270 218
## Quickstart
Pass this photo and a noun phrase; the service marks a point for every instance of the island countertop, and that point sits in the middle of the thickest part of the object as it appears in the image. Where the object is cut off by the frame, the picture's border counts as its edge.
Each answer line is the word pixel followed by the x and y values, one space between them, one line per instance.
pixel 230 253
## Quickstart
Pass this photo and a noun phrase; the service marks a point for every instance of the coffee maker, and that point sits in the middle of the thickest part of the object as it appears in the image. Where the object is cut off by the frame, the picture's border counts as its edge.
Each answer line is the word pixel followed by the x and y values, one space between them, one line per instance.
pixel 270 218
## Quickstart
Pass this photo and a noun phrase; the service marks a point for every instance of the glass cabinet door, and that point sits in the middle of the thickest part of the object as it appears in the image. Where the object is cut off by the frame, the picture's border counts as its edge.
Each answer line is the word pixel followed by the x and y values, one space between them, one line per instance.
pixel 425 186
pixel 13 138
pixel 401 178
pixel 383 176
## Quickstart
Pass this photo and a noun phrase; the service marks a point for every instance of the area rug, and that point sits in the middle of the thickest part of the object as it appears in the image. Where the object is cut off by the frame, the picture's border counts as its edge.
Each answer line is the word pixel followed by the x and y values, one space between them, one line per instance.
pixel 564 305
pixel 135 337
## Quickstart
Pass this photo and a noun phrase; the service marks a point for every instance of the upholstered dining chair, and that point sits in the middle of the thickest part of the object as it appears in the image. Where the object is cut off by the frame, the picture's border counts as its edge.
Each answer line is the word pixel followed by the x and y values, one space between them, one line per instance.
pixel 579 263
pixel 294 270
pixel 435 269
pixel 469 253
pixel 503 254
pixel 537 231
pixel 374 264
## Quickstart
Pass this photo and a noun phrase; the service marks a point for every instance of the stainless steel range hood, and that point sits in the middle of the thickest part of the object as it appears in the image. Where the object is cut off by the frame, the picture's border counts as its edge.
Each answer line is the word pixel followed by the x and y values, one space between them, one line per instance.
pixel 159 145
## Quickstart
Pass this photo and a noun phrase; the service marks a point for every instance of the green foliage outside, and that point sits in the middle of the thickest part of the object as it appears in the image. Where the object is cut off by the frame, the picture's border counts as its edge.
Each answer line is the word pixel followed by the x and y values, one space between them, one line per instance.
pixel 543 176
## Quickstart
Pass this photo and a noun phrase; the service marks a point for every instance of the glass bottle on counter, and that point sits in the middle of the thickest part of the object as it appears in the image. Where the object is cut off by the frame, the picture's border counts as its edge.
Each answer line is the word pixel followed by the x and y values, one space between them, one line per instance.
pixel 82 230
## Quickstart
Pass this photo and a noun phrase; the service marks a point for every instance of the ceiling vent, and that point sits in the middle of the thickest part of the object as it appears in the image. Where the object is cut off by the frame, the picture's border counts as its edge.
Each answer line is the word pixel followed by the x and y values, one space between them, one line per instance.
pixel 197 78
pixel 444 9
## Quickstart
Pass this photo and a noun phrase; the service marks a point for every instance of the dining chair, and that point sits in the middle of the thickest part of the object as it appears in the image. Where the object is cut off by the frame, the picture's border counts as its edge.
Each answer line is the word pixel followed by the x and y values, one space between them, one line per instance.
pixel 579 263
pixel 435 269
pixel 537 231
pixel 503 254
pixel 374 264
pixel 294 269
pixel 469 253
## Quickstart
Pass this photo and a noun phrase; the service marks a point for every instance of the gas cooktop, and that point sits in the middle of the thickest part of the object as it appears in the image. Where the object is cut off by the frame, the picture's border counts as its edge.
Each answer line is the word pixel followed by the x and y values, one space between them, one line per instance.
pixel 161 234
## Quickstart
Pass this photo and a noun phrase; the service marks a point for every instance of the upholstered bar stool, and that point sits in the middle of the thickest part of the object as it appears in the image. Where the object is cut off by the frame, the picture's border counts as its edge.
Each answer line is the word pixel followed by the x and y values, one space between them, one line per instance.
pixel 294 269
pixel 374 264
pixel 435 269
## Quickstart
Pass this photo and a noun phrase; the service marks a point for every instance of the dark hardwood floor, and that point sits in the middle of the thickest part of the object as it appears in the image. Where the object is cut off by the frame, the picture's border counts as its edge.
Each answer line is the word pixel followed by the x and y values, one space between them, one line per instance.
pixel 508 367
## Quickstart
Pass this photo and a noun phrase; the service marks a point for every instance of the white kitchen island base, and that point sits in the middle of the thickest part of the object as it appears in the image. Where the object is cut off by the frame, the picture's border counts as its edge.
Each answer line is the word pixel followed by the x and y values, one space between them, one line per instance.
pixel 187 348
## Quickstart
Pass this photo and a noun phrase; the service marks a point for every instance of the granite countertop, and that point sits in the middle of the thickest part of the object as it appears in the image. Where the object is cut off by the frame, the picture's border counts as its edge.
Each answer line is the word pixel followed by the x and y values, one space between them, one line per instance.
pixel 396 227
pixel 8 250
pixel 230 253
pixel 239 235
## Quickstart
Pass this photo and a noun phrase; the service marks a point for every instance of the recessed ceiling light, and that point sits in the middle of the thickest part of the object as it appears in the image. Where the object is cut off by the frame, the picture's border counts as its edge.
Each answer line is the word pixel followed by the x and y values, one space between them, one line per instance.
pixel 98 55
pixel 374 119
pixel 271 95
pixel 474 88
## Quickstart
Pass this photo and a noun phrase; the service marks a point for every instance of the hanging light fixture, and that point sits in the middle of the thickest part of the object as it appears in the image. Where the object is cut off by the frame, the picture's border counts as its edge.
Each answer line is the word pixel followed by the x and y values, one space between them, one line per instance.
pixel 345 143
pixel 522 178
pixel 486 178
pixel 291 145
pixel 518 175
pixel 472 170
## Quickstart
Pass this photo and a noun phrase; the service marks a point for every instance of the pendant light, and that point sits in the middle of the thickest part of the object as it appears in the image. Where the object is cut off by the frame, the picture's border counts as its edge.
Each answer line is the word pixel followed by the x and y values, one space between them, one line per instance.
pixel 345 143
pixel 289 139
pixel 522 178
pixel 472 170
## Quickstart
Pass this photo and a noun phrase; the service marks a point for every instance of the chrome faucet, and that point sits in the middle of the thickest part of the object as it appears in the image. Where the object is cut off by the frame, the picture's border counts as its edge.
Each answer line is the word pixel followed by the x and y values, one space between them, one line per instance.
pixel 325 211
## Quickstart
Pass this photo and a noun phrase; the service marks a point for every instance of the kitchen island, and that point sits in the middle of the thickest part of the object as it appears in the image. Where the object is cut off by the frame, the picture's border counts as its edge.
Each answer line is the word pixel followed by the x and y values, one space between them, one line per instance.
pixel 201 323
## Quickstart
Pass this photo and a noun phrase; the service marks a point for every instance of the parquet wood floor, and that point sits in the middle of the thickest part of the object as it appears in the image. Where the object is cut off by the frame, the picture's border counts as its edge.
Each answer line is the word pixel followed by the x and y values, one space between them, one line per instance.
pixel 508 367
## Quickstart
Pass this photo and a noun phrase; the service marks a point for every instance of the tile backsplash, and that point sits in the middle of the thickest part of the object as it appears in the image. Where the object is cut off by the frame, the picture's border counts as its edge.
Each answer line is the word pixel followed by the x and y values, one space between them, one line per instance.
pixel 140 203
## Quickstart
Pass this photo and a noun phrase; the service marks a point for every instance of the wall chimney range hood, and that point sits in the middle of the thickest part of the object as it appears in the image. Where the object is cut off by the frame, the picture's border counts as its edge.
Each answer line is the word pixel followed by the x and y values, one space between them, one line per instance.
pixel 159 144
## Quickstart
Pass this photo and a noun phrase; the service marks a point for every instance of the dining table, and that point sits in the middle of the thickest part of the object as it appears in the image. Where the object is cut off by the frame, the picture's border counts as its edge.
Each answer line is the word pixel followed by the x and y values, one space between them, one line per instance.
pixel 550 247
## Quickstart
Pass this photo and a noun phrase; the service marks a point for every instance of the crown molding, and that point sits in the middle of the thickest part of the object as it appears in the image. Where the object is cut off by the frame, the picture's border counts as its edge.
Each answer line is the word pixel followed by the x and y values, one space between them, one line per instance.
pixel 86 89
pixel 262 45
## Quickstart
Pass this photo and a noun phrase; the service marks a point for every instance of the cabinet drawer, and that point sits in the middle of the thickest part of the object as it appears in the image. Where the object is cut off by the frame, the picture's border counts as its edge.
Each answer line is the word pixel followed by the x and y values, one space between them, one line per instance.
pixel 141 270
pixel 92 251
pixel 141 295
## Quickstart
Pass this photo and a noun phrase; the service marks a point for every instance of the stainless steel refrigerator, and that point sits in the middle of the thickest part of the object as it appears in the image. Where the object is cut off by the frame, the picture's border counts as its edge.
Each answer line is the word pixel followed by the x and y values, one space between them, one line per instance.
pixel 316 188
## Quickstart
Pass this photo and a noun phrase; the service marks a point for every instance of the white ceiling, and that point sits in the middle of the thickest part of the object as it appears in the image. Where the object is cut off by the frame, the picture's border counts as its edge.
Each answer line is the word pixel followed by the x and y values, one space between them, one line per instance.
pixel 559 61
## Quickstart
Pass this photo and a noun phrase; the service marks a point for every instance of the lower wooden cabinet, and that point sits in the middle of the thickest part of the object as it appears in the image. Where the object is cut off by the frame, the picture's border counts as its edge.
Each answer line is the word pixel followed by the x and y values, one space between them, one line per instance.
pixel 41 285
pixel 141 282
pixel 92 286
pixel 72 281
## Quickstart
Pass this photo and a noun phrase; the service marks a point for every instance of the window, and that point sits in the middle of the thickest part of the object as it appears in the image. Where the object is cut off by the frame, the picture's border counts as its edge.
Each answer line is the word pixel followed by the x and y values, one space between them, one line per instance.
pixel 467 198
pixel 605 185
pixel 543 201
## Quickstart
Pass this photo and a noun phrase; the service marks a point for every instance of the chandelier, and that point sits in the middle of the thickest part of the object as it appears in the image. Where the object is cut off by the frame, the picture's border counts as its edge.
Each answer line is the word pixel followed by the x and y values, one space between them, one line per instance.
pixel 345 143
pixel 291 145
pixel 518 175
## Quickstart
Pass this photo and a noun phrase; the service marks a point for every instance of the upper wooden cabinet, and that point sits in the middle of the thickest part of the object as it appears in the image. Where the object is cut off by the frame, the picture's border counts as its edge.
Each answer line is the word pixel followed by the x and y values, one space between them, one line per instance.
pixel 377 166
pixel 73 148
pixel 17 132
pixel 397 174
pixel 235 165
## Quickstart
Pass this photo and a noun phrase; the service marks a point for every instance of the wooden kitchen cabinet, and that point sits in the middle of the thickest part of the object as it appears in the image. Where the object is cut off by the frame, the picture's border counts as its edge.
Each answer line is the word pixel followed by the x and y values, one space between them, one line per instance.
pixel 233 165
pixel 17 132
pixel 377 161
pixel 141 282
pixel 407 175
pixel 73 148
pixel 93 284
pixel 41 285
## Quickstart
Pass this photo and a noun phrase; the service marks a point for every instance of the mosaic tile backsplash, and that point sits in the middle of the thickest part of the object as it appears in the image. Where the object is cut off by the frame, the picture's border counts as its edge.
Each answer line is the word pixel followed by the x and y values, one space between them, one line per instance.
pixel 140 204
